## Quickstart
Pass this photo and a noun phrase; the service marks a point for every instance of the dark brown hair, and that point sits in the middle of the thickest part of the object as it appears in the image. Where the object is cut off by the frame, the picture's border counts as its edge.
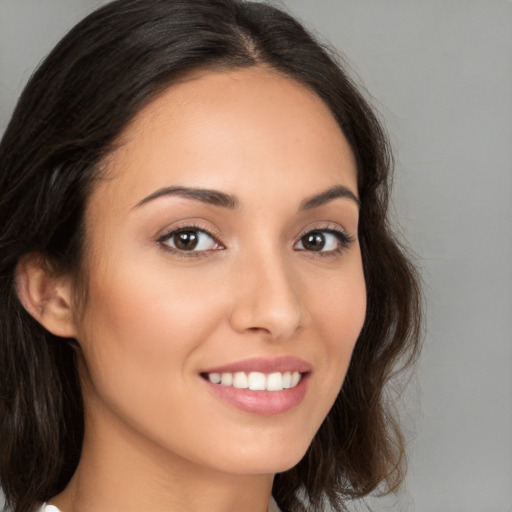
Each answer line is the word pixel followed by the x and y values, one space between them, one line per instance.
pixel 66 122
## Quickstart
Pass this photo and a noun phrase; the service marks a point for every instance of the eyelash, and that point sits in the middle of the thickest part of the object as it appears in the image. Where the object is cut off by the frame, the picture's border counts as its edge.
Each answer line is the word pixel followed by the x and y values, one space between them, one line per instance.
pixel 188 254
pixel 345 241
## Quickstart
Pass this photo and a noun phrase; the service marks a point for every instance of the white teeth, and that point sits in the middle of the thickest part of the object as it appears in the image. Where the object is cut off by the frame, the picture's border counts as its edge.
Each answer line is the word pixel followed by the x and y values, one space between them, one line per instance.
pixel 226 379
pixel 275 382
pixel 240 380
pixel 214 377
pixel 257 381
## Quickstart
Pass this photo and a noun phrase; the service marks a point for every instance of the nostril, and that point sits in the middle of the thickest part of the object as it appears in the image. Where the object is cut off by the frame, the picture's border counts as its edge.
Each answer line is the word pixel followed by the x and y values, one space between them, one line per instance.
pixel 258 329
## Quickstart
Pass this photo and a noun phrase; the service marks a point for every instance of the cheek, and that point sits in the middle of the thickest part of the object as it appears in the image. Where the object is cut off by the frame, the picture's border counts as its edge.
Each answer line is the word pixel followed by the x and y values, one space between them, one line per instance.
pixel 144 301
pixel 341 303
pixel 140 328
pixel 338 312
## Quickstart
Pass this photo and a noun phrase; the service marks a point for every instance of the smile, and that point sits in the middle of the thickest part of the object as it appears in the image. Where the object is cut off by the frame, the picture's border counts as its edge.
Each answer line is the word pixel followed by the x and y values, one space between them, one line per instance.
pixel 256 381
pixel 260 385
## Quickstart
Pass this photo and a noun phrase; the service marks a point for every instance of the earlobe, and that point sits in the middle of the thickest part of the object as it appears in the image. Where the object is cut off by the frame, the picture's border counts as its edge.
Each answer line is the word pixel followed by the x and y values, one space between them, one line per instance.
pixel 46 296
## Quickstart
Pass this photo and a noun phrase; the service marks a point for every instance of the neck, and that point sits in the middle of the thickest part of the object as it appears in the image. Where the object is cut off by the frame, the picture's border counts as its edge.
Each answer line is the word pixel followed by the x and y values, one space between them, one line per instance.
pixel 122 471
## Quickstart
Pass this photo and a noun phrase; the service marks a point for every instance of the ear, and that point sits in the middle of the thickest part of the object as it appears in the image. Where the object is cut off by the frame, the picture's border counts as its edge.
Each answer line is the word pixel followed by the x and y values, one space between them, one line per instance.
pixel 45 295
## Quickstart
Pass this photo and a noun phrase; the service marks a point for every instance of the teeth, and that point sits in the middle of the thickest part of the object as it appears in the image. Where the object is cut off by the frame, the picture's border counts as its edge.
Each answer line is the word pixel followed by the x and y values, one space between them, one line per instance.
pixel 257 381
pixel 226 379
pixel 275 382
pixel 240 380
pixel 215 378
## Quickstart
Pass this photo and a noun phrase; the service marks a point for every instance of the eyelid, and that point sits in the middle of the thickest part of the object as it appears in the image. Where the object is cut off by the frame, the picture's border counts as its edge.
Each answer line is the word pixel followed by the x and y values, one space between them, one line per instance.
pixel 188 226
pixel 344 237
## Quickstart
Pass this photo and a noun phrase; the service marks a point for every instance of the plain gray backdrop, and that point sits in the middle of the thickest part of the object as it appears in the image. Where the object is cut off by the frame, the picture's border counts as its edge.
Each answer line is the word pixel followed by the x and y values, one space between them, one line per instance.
pixel 440 74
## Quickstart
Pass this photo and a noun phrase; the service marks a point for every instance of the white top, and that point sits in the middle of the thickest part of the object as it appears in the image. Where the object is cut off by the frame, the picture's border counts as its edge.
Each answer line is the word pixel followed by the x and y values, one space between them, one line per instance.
pixel 272 507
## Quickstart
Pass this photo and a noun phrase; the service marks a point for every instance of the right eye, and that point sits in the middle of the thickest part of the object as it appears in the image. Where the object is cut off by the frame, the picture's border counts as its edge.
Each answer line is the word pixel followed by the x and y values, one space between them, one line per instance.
pixel 189 239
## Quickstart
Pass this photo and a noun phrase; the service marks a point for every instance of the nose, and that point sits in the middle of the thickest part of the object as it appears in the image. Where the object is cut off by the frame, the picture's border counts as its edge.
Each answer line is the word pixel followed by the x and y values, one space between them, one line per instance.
pixel 266 298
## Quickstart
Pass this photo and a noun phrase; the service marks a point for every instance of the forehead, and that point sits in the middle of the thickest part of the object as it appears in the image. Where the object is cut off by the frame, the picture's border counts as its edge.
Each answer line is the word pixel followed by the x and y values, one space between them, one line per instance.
pixel 229 128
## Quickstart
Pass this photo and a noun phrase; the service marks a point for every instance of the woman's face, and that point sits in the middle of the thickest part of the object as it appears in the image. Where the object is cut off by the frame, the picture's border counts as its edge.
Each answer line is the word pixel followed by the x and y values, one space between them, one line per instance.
pixel 222 245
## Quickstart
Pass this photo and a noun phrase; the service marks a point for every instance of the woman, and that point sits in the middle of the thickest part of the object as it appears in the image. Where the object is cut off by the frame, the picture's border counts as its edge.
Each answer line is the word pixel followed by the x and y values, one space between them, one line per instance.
pixel 201 297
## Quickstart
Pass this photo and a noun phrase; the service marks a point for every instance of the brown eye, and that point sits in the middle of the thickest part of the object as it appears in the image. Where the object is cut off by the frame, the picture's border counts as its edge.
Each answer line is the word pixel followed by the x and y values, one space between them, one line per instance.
pixel 314 241
pixel 186 240
pixel 325 241
pixel 189 240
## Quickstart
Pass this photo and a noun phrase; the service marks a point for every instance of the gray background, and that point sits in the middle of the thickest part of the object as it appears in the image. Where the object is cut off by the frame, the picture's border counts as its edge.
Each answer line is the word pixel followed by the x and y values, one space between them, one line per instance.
pixel 440 73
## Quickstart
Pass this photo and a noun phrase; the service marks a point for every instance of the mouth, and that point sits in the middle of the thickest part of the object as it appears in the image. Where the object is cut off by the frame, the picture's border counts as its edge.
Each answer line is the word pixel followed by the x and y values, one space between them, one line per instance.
pixel 259 385
pixel 256 381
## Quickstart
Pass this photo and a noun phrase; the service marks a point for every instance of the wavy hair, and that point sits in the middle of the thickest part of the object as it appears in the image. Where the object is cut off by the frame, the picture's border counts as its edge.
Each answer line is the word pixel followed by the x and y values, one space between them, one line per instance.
pixel 102 73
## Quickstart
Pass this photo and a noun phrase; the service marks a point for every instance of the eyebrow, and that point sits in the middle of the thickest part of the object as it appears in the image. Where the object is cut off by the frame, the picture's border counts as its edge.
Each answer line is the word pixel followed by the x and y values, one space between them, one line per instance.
pixel 327 196
pixel 213 197
pixel 224 200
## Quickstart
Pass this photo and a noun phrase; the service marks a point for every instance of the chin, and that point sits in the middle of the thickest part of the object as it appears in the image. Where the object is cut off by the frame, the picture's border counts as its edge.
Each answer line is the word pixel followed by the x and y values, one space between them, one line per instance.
pixel 279 457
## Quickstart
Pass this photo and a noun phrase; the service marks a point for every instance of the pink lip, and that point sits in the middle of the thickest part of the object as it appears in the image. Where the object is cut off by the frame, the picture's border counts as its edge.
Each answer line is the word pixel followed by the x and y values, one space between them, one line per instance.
pixel 262 402
pixel 263 365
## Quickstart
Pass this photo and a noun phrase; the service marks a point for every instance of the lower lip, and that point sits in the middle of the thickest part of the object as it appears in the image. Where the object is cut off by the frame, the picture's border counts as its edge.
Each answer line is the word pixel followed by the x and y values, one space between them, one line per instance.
pixel 264 403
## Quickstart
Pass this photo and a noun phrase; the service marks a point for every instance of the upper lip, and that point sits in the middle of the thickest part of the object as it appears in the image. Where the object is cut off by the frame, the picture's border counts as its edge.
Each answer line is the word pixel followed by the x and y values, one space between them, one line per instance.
pixel 263 365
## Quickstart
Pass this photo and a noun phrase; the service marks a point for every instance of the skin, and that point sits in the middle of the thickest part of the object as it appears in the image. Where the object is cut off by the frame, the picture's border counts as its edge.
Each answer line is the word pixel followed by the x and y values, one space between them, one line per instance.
pixel 156 438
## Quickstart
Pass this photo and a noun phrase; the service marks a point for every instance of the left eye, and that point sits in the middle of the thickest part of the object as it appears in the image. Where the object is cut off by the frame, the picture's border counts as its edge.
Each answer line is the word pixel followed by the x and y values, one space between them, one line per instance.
pixel 321 241
pixel 189 240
